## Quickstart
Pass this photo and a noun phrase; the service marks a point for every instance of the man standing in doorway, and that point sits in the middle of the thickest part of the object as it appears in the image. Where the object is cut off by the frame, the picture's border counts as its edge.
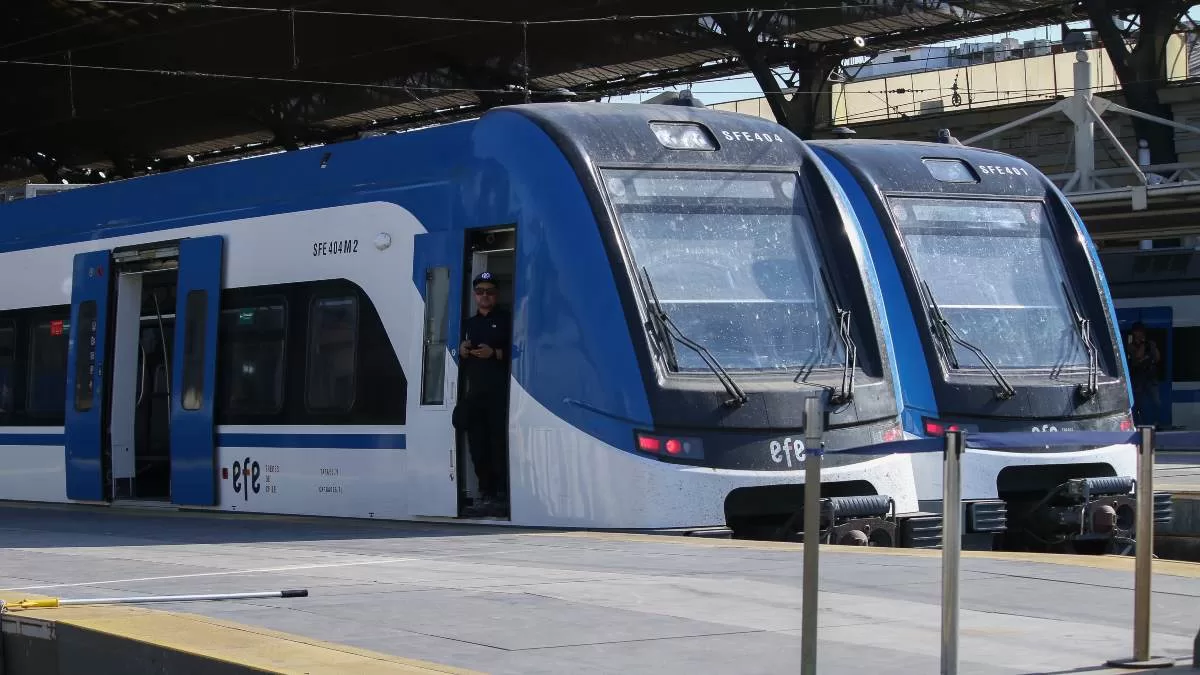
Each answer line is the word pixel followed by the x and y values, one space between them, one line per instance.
pixel 484 352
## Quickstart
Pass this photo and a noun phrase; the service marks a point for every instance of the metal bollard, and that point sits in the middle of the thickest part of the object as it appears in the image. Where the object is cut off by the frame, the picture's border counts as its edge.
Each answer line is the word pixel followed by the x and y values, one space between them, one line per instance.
pixel 951 547
pixel 1143 570
pixel 814 428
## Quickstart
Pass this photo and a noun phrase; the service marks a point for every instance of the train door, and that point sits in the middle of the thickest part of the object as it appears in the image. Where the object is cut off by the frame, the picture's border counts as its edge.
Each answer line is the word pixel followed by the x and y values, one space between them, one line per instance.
pixel 87 367
pixel 493 251
pixel 431 471
pixel 193 427
pixel 1157 322
pixel 148 418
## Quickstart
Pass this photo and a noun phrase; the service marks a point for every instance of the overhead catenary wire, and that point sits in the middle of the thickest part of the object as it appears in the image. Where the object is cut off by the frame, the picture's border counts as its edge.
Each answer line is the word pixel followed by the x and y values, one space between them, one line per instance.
pixel 167 4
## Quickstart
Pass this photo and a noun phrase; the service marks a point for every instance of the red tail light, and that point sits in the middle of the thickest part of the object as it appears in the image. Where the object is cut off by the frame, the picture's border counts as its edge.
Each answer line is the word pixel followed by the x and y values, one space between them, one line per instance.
pixel 939 428
pixel 649 444
pixel 674 446
pixel 1126 425
pixel 893 434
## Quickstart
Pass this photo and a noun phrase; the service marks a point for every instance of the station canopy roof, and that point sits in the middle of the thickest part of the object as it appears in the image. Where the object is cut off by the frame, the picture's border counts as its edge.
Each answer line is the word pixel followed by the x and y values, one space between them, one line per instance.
pixel 126 87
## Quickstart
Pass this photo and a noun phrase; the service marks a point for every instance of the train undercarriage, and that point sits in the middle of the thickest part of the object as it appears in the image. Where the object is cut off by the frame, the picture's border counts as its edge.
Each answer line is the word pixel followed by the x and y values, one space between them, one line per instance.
pixel 1094 515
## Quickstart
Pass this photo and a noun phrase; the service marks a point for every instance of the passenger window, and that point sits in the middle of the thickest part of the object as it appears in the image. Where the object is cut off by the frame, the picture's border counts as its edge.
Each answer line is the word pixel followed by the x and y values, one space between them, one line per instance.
pixel 47 367
pixel 252 349
pixel 195 325
pixel 85 357
pixel 8 346
pixel 437 314
pixel 332 338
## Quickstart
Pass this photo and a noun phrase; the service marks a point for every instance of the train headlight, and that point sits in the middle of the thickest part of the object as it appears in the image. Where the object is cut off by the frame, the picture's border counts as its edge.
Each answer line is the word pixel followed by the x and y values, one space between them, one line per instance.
pixel 683 136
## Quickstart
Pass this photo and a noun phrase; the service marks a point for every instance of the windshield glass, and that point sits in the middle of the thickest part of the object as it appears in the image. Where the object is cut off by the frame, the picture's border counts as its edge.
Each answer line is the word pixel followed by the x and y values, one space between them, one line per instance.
pixel 732 260
pixel 994 270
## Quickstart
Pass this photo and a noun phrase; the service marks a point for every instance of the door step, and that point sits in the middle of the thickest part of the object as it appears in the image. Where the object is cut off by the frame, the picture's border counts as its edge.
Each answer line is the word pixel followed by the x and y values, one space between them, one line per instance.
pixel 155 504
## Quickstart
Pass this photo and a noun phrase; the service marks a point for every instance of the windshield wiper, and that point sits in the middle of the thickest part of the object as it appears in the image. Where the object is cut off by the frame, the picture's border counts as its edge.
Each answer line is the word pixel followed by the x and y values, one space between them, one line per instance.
pixel 657 324
pixel 947 335
pixel 1084 326
pixel 669 330
pixel 846 393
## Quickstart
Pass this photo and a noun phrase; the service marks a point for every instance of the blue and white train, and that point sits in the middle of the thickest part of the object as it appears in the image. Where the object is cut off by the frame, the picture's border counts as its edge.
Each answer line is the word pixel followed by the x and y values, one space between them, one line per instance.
pixel 277 334
pixel 1001 319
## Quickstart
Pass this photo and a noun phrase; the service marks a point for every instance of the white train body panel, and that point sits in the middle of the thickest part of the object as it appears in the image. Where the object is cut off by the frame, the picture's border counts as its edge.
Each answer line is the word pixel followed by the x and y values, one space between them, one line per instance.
pixel 980 469
pixel 564 477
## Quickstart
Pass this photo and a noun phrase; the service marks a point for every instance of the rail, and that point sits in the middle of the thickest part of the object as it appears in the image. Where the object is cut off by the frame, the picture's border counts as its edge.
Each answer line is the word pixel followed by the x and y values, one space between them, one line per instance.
pixel 953 447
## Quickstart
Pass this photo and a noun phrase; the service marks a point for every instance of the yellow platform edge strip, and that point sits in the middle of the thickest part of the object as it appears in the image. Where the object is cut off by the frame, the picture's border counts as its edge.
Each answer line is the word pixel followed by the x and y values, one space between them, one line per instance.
pixel 1175 568
pixel 225 641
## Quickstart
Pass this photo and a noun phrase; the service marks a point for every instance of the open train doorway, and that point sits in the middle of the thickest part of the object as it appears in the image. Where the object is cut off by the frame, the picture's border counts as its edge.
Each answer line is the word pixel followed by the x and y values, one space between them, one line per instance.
pixel 487 317
pixel 144 344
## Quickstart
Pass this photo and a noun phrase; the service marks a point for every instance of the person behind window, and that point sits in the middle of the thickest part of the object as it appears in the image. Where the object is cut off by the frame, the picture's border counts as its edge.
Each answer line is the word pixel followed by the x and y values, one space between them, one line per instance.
pixel 484 409
pixel 1143 358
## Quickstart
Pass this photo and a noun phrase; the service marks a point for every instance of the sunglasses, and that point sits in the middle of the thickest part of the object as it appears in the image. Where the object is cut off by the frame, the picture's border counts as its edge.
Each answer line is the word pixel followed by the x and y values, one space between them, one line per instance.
pixel 485 291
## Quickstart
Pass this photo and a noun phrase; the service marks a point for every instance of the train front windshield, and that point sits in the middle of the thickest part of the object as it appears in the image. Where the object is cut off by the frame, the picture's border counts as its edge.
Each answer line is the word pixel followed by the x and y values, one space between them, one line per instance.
pixel 994 272
pixel 731 259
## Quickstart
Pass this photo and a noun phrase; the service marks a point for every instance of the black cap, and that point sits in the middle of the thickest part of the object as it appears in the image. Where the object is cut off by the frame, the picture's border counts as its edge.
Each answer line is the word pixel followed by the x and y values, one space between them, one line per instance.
pixel 483 278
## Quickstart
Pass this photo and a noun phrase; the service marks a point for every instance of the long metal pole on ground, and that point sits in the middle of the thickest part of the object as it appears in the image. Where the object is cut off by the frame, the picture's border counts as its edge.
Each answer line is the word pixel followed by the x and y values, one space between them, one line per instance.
pixel 1143 565
pixel 951 547
pixel 814 428
pixel 48 603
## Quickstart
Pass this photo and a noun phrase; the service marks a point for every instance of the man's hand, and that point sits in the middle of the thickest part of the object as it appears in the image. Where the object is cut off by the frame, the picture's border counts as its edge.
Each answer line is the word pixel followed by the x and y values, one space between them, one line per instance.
pixel 464 349
pixel 483 352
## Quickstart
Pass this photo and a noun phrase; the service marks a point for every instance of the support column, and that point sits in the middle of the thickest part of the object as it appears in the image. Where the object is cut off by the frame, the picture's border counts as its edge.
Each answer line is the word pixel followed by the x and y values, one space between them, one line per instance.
pixel 1085 132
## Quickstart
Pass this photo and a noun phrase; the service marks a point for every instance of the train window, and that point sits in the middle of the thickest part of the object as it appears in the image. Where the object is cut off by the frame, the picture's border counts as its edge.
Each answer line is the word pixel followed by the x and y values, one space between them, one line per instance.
pixel 1186 367
pixel 8 362
pixel 996 274
pixel 252 350
pixel 47 367
pixel 733 261
pixel 195 325
pixel 85 357
pixel 437 315
pixel 332 338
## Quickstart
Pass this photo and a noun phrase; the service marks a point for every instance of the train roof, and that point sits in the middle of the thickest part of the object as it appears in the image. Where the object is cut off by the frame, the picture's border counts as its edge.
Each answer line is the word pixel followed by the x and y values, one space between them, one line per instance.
pixel 611 133
pixel 903 166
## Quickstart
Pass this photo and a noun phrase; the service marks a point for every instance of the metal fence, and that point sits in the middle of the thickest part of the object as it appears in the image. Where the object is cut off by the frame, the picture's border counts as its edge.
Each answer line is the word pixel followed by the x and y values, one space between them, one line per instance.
pixel 953 447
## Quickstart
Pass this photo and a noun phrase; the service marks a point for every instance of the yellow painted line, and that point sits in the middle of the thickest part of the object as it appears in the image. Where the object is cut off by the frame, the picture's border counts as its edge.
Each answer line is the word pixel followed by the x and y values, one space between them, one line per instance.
pixel 1176 568
pixel 258 648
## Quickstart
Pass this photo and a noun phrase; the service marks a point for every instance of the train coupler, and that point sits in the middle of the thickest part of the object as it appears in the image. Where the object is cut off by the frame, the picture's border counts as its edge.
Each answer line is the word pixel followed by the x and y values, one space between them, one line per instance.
pixel 865 520
pixel 1100 509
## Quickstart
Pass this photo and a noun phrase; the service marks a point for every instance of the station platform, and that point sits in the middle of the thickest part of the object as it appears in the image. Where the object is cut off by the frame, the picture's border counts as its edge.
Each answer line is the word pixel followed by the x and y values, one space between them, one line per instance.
pixel 432 598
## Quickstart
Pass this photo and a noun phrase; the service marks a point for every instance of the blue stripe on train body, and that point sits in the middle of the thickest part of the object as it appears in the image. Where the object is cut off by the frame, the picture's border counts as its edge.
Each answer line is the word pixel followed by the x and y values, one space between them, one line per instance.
pixel 915 384
pixel 571 340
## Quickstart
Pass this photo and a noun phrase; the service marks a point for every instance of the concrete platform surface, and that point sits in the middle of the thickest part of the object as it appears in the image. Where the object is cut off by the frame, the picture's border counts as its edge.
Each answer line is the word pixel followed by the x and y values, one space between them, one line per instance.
pixel 1177 471
pixel 512 601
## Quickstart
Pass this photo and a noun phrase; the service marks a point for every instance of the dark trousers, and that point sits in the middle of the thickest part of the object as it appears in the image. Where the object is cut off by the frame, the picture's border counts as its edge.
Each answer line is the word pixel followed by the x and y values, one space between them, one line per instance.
pixel 487 437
